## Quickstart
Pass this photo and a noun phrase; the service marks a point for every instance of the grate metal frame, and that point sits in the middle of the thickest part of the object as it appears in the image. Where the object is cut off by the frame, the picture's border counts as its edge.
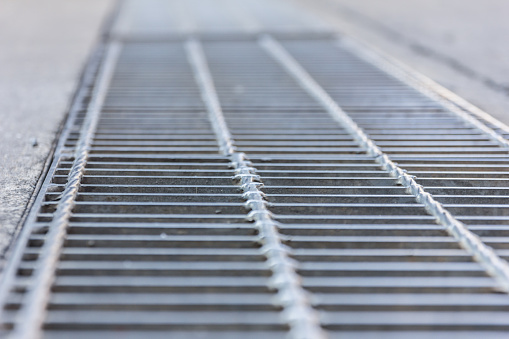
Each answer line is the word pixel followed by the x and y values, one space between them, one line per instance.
pixel 318 202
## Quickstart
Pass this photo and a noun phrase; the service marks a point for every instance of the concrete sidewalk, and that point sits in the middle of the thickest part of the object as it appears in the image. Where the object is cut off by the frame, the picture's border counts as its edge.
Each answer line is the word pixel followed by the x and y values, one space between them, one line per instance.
pixel 43 48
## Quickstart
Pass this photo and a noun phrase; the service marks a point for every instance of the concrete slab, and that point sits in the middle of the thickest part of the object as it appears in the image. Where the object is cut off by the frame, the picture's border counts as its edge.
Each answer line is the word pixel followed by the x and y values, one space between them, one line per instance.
pixel 43 48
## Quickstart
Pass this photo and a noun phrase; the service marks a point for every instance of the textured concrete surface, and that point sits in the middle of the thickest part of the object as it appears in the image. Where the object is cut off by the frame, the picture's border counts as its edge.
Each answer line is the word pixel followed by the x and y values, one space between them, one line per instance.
pixel 43 47
pixel 461 44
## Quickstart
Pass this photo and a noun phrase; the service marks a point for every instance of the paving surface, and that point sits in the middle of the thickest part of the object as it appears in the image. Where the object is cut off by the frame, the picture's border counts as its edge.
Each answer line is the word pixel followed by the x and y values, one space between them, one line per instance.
pixel 43 47
pixel 462 44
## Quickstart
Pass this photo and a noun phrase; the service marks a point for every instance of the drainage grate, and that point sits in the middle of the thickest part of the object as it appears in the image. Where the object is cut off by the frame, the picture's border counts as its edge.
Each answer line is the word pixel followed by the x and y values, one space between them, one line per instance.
pixel 157 239
pixel 245 187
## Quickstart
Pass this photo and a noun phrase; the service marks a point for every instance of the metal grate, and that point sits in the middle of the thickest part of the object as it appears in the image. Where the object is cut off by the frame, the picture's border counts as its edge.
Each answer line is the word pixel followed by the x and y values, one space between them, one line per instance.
pixel 355 231
pixel 249 187
pixel 157 239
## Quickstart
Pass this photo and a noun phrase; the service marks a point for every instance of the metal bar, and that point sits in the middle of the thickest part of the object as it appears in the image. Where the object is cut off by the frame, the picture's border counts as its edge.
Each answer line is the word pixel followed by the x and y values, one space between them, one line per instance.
pixel 28 323
pixel 494 265
pixel 204 80
pixel 298 312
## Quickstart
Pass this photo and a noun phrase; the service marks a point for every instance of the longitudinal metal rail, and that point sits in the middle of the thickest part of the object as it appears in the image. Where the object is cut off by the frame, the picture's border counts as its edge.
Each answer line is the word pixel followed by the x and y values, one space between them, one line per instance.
pixel 31 315
pixel 232 184
pixel 298 312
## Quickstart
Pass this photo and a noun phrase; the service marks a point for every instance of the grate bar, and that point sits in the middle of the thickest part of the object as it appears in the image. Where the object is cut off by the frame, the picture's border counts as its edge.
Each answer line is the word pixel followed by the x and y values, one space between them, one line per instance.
pixel 206 84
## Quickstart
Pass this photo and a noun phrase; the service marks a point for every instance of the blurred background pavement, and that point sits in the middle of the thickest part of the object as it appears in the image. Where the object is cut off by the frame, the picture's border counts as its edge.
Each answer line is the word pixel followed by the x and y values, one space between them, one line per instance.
pixel 461 44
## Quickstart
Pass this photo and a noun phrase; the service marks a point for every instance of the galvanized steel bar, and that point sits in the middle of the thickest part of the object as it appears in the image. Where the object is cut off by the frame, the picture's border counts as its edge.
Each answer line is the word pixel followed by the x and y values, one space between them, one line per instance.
pixel 485 255
pixel 302 318
pixel 28 323
pixel 206 84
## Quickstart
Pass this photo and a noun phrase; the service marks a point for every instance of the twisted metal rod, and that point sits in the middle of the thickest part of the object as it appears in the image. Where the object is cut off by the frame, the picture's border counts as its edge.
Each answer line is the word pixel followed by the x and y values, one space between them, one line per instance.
pixel 297 310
